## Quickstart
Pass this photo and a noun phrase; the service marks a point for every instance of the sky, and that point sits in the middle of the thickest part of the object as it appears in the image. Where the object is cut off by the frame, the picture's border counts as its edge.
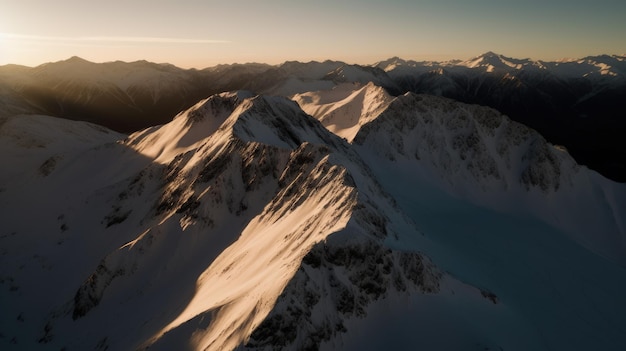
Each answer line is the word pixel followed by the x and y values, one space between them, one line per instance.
pixel 204 33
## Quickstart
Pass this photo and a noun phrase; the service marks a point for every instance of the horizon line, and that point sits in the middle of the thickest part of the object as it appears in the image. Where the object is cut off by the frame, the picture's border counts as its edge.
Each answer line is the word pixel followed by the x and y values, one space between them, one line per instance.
pixel 155 39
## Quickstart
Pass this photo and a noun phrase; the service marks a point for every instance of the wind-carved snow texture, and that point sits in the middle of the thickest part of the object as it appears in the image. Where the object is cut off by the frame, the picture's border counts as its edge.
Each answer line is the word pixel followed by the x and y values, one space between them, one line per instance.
pixel 465 142
pixel 232 174
pixel 346 107
pixel 477 154
pixel 245 223
pixel 577 103
pixel 338 280
pixel 307 182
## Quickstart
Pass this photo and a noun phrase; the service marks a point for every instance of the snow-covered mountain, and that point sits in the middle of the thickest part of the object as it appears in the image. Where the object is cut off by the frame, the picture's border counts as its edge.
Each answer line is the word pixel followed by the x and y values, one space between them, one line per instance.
pixel 300 77
pixel 611 65
pixel 123 96
pixel 345 108
pixel 575 103
pixel 132 96
pixel 245 223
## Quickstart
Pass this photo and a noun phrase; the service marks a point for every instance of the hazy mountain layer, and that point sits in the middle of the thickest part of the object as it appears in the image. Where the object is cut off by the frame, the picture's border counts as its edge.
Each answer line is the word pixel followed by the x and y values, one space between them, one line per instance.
pixel 576 103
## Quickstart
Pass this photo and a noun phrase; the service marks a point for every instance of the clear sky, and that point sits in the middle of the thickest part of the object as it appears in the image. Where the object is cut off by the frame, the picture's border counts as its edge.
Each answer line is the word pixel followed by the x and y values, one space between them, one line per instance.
pixel 203 33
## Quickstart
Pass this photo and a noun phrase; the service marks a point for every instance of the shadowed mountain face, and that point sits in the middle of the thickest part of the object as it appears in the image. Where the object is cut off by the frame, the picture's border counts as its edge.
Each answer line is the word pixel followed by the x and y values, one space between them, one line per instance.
pixel 578 104
pixel 122 96
pixel 417 222
pixel 575 103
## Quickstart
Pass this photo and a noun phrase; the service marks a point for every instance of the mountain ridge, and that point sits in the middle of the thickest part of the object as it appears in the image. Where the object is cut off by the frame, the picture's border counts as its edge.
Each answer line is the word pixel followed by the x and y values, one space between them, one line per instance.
pixel 244 223
pixel 575 103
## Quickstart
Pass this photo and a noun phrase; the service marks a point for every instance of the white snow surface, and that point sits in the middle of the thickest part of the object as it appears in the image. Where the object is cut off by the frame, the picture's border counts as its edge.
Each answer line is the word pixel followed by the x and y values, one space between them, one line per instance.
pixel 478 155
pixel 246 224
pixel 346 107
pixel 188 129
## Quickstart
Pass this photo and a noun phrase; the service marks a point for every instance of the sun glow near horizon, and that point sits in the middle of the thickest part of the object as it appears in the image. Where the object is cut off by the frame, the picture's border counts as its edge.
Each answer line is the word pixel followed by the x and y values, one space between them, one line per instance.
pixel 27 49
pixel 202 34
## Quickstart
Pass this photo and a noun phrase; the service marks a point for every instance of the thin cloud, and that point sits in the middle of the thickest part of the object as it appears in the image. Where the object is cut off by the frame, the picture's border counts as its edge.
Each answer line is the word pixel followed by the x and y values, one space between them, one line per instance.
pixel 112 39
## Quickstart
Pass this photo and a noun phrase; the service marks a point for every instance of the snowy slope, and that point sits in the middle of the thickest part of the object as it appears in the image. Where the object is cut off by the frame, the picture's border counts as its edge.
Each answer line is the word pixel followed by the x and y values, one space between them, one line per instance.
pixel 31 143
pixel 479 155
pixel 236 182
pixel 576 103
pixel 163 143
pixel 244 223
pixel 501 209
pixel 591 66
pixel 490 62
pixel 314 76
pixel 504 220
pixel 346 107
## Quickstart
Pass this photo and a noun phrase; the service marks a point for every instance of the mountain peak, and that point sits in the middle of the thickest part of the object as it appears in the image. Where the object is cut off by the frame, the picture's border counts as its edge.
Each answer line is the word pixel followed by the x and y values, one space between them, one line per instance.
pixel 489 54
pixel 277 121
pixel 391 61
pixel 76 60
pixel 346 107
pixel 488 58
pixel 189 128
pixel 491 61
pixel 277 234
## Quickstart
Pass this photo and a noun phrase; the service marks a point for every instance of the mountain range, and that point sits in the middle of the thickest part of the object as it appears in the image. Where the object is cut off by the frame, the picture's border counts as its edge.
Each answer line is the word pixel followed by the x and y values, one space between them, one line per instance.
pixel 328 212
pixel 574 103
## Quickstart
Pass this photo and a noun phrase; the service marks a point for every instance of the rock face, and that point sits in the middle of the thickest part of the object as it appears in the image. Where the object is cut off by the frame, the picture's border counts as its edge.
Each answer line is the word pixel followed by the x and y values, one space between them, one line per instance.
pixel 336 283
pixel 245 223
pixel 467 142
pixel 573 103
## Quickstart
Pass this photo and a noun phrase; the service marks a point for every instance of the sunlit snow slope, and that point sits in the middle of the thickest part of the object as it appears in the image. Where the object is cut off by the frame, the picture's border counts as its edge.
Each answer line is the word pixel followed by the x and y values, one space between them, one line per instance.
pixel 346 107
pixel 245 223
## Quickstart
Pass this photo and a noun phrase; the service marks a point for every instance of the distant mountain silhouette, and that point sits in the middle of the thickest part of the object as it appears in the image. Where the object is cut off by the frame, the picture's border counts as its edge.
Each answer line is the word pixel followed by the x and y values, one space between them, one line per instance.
pixel 577 103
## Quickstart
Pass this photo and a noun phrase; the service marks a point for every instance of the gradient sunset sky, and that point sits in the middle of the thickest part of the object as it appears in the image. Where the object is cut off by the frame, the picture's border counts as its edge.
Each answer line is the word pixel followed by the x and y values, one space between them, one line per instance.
pixel 203 33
